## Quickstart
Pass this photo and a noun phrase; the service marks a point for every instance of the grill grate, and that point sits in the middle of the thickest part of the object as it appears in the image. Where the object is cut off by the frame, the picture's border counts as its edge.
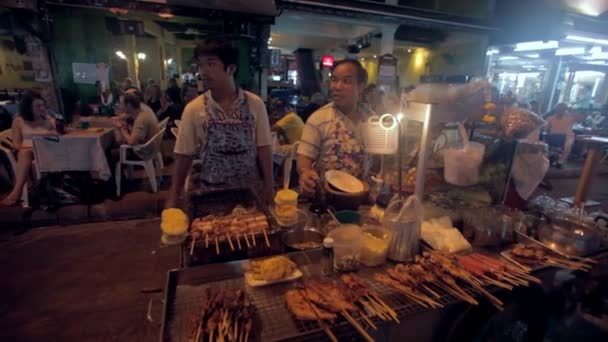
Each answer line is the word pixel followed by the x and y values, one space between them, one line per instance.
pixel 274 322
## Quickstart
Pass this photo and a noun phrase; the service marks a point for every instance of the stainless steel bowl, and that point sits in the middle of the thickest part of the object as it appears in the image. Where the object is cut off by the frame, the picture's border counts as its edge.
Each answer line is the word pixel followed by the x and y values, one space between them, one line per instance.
pixel 570 236
pixel 300 239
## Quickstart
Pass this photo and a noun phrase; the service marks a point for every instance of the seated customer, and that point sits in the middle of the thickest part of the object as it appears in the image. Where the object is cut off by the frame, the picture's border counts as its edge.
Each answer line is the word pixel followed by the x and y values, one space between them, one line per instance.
pixel 138 124
pixel 33 120
pixel 560 121
pixel 290 125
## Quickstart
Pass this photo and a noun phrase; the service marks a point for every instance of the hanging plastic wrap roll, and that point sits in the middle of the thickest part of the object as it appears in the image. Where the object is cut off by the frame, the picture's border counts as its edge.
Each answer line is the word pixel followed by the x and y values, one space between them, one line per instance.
pixel 530 164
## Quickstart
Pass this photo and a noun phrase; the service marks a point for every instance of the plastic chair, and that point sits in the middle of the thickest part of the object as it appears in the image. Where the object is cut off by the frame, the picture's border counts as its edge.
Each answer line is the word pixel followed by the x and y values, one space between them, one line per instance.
pixel 163 124
pixel 174 131
pixel 177 123
pixel 152 169
pixel 5 140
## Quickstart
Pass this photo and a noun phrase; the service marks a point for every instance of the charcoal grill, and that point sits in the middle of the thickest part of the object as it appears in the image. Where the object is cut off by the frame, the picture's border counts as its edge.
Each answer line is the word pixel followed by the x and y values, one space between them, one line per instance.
pixel 222 202
pixel 185 291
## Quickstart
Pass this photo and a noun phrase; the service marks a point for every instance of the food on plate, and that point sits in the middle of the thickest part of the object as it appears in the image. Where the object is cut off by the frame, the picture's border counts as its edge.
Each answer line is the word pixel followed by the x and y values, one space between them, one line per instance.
pixel 272 269
pixel 225 315
pixel 286 205
pixel 441 235
pixel 240 225
pixel 303 310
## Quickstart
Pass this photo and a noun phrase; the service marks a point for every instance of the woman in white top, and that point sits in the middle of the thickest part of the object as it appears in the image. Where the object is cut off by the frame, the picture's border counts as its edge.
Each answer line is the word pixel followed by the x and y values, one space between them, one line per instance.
pixel 33 120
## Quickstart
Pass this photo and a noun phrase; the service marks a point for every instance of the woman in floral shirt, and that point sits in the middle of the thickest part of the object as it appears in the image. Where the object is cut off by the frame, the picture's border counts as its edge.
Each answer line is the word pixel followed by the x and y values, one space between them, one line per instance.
pixel 332 137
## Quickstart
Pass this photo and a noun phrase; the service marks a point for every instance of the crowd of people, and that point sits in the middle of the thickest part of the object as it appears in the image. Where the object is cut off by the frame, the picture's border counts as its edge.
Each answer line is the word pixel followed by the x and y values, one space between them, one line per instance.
pixel 229 130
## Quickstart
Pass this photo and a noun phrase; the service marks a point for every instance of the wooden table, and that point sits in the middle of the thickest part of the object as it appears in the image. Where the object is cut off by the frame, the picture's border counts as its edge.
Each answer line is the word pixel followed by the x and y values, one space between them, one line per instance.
pixel 596 146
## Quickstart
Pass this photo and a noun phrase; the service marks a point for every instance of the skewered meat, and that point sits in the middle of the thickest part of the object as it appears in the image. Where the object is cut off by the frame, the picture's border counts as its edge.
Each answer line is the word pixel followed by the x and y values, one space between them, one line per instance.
pixel 301 309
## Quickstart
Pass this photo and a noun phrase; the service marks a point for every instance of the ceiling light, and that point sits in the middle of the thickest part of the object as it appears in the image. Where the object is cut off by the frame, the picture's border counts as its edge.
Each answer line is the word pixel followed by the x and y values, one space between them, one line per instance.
pixel 120 54
pixel 537 45
pixel 409 50
pixel 528 66
pixel 374 56
pixel 508 58
pixel 165 13
pixel 570 51
pixel 588 40
pixel 532 55
pixel 141 55
pixel 597 62
pixel 492 52
pixel 170 60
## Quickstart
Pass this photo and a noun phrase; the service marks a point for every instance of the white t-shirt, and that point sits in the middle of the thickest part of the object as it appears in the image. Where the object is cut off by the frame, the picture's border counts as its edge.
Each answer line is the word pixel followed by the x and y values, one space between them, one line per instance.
pixel 193 128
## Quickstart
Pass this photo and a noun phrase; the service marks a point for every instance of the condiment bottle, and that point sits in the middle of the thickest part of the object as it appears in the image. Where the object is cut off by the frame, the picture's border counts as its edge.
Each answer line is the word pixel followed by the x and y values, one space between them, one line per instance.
pixel 327 260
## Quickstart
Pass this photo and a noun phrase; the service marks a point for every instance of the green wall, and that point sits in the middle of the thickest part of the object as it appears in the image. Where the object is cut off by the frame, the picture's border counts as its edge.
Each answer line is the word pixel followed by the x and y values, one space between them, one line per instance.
pixel 79 36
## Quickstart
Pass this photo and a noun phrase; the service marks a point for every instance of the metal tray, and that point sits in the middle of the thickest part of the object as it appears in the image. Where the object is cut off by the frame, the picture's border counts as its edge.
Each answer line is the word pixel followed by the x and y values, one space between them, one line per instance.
pixel 185 289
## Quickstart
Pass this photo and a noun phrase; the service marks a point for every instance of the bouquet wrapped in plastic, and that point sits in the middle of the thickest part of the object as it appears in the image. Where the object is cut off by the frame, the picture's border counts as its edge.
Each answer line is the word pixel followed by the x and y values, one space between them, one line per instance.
pixel 518 123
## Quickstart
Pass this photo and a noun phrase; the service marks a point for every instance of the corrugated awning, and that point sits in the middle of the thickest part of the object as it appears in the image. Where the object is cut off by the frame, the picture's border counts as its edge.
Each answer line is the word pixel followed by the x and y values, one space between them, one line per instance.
pixel 261 7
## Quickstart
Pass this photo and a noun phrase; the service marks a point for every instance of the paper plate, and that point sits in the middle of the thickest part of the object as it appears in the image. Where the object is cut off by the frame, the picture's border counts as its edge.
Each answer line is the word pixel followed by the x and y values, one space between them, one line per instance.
pixel 256 283
pixel 344 181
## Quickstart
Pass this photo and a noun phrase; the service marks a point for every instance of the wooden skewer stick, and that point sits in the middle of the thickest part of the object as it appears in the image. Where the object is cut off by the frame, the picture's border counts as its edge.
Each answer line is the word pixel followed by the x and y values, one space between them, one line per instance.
pixel 238 241
pixel 230 241
pixel 368 321
pixel 496 282
pixel 192 246
pixel 266 238
pixel 206 240
pixel 252 238
pixel 246 240
pixel 388 309
pixel 217 246
pixel 525 268
pixel 357 326
pixel 428 289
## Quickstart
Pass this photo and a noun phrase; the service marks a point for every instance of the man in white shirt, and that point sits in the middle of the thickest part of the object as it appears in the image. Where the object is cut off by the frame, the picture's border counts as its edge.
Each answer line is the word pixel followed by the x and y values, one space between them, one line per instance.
pixel 226 127
pixel 332 139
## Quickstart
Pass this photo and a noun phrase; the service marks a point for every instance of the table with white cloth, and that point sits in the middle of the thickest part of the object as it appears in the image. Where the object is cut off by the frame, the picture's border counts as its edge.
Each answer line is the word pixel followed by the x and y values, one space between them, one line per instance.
pixel 78 150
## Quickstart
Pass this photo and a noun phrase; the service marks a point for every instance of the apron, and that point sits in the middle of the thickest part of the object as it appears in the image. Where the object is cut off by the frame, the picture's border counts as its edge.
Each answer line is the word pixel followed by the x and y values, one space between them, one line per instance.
pixel 346 153
pixel 229 157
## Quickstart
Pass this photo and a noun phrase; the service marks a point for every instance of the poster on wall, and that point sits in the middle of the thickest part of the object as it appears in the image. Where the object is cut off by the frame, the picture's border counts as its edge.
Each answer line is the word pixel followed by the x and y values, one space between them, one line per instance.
pixel 89 73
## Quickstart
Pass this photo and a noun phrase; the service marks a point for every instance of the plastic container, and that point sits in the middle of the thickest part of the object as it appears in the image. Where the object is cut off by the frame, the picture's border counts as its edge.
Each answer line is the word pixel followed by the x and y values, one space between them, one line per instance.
pixel 402 218
pixel 348 216
pixel 347 247
pixel 461 164
pixel 375 244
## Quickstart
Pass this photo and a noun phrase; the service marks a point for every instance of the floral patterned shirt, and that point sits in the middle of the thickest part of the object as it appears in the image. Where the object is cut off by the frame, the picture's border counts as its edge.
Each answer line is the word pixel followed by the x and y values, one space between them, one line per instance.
pixel 335 142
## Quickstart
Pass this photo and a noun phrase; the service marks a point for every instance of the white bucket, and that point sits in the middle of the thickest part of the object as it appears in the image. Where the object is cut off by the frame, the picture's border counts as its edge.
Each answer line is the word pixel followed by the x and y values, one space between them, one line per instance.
pixel 380 134
pixel 461 165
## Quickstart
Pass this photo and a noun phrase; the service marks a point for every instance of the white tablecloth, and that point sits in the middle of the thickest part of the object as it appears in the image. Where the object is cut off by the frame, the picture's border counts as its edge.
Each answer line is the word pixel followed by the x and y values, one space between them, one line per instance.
pixel 79 150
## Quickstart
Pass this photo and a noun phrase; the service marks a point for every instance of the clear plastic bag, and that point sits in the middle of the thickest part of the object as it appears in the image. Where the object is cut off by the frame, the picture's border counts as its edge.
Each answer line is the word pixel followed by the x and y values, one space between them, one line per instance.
pixel 518 123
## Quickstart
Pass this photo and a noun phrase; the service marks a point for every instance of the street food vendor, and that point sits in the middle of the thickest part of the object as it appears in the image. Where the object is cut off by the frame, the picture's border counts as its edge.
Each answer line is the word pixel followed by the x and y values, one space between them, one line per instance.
pixel 226 127
pixel 332 137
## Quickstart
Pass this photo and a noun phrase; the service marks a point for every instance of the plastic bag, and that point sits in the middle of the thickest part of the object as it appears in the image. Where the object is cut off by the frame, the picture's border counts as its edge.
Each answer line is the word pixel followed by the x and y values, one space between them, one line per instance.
pixel 518 123
pixel 403 218
pixel 529 168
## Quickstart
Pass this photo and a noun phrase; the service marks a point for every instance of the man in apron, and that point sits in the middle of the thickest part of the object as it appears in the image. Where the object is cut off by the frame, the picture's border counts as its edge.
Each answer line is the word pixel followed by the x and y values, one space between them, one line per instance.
pixel 332 139
pixel 226 127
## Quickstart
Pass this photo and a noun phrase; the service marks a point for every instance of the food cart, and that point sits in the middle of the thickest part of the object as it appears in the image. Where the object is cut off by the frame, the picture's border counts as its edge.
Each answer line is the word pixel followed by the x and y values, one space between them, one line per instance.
pixel 218 300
